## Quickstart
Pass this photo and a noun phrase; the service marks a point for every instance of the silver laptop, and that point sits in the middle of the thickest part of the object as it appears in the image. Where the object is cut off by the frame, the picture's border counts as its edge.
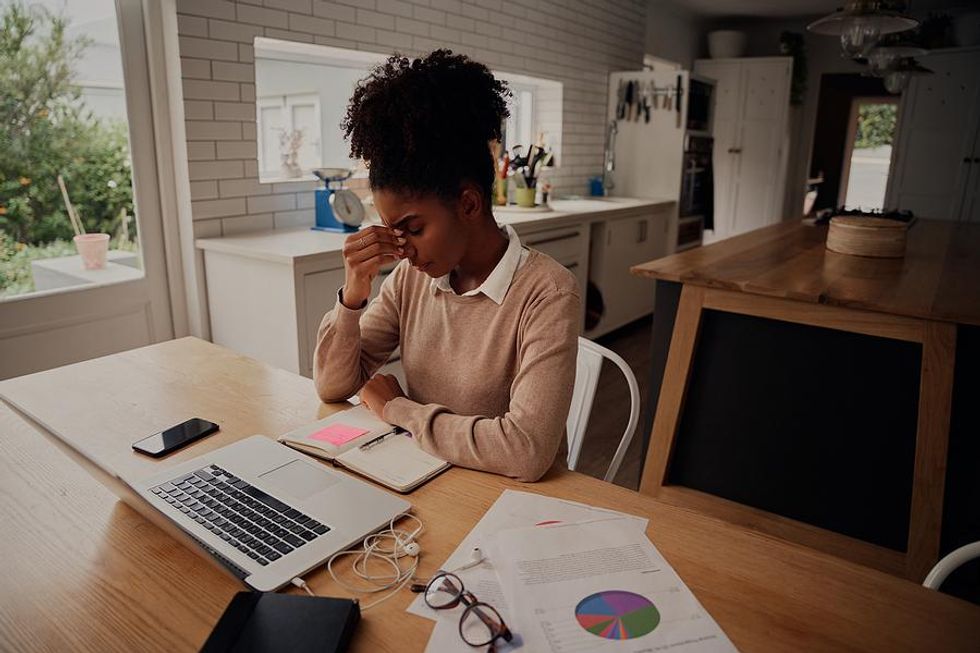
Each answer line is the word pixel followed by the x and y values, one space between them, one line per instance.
pixel 266 512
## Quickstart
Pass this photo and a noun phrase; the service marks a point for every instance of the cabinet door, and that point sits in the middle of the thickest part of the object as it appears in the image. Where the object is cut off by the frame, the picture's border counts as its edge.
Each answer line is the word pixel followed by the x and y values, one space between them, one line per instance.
pixel 319 296
pixel 727 76
pixel 567 245
pixel 760 145
pixel 937 120
pixel 629 241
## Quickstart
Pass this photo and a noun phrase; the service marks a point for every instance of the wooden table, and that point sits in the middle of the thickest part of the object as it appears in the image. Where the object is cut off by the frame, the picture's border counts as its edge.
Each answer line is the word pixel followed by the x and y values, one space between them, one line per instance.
pixel 86 572
pixel 804 322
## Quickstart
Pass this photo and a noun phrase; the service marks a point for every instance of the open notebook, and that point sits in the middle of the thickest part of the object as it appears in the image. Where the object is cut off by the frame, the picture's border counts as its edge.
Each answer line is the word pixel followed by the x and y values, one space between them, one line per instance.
pixel 363 443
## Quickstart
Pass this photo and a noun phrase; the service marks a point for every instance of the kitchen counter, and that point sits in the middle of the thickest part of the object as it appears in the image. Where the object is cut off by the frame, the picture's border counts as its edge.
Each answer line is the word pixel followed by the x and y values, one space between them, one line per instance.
pixel 268 290
pixel 301 243
pixel 820 397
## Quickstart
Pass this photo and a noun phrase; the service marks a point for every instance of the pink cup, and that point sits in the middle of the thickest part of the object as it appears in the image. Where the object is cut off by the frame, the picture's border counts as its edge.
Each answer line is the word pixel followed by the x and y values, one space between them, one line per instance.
pixel 93 249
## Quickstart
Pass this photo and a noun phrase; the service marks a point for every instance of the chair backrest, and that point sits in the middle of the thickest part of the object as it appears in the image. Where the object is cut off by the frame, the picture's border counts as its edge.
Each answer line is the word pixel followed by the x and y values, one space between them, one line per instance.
pixel 950 563
pixel 587 369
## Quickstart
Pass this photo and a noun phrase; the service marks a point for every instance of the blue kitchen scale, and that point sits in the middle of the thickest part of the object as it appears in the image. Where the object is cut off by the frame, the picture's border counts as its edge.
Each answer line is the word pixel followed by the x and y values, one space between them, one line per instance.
pixel 338 209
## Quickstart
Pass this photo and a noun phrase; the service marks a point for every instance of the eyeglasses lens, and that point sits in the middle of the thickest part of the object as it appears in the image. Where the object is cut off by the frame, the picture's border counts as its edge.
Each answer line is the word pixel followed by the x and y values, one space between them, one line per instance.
pixel 480 624
pixel 443 591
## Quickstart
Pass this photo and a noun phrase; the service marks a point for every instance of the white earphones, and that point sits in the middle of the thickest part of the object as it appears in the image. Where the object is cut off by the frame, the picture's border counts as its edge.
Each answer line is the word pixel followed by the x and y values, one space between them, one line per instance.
pixel 403 544
pixel 476 557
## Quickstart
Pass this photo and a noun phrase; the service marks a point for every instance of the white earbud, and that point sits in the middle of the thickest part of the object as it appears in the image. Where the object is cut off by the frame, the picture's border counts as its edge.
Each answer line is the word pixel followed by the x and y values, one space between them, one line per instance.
pixel 476 557
pixel 413 549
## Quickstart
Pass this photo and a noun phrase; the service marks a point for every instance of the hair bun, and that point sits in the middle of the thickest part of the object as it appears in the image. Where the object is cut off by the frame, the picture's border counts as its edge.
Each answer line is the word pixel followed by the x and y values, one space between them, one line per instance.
pixel 423 125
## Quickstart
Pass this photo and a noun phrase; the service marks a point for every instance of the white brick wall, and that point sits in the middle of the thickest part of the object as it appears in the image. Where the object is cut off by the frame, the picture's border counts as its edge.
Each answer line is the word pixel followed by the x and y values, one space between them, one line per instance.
pixel 577 42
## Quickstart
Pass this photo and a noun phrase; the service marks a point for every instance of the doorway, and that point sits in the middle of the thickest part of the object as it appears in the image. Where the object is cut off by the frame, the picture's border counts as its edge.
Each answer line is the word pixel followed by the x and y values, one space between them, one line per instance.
pixel 842 96
pixel 867 153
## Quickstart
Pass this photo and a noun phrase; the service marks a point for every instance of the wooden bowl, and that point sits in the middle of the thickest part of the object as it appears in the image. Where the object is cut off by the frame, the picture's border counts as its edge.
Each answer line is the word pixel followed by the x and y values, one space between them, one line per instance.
pixel 875 237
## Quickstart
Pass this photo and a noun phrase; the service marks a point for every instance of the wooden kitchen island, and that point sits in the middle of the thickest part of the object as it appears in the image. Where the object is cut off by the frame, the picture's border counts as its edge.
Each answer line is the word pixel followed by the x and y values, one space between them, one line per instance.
pixel 819 397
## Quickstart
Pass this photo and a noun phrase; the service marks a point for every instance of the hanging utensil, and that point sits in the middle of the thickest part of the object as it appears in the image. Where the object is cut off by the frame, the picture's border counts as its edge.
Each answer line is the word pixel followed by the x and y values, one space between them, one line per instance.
pixel 647 100
pixel 678 95
pixel 621 100
pixel 629 99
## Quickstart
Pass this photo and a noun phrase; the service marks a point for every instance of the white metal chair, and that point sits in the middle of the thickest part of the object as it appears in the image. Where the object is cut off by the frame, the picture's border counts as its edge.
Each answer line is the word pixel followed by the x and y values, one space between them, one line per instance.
pixel 950 563
pixel 588 366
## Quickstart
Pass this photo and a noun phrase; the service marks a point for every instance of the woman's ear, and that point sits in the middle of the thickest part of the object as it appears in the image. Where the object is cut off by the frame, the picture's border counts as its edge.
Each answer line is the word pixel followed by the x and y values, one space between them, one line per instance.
pixel 471 203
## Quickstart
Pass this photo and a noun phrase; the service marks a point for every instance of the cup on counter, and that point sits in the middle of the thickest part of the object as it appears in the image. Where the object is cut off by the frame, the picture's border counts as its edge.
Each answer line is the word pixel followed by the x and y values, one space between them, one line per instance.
pixel 524 197
pixel 94 249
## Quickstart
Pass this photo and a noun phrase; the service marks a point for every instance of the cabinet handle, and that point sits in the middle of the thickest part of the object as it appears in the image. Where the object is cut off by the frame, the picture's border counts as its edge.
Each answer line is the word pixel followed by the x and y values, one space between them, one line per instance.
pixel 532 243
pixel 967 159
pixel 643 232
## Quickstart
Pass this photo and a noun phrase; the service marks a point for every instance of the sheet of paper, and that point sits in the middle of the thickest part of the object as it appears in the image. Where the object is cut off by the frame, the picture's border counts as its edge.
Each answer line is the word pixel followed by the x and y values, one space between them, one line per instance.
pixel 337 434
pixel 512 509
pixel 599 586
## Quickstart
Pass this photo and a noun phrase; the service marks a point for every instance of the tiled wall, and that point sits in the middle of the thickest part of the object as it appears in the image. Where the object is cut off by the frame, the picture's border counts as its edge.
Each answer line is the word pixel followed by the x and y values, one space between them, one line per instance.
pixel 576 42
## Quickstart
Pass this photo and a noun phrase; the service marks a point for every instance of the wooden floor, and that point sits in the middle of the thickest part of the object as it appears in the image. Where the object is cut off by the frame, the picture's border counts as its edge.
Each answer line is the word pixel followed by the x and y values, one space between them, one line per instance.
pixel 612 406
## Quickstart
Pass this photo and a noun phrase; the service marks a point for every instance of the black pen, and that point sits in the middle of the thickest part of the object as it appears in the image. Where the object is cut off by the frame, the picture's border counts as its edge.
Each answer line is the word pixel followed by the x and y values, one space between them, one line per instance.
pixel 373 441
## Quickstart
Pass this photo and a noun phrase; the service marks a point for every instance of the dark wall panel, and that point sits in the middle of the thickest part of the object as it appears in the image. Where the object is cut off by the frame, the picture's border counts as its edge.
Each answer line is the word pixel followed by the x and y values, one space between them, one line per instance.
pixel 814 424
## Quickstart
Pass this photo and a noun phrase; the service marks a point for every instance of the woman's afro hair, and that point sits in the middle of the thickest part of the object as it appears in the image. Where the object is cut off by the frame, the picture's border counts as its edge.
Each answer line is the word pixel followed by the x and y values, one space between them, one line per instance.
pixel 424 126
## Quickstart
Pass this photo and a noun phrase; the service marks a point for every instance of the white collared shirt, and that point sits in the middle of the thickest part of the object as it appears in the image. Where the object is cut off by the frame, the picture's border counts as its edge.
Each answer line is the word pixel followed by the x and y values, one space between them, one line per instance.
pixel 496 285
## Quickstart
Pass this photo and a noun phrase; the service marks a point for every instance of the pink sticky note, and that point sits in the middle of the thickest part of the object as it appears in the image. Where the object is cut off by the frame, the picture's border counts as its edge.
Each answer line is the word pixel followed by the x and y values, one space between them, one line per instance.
pixel 338 434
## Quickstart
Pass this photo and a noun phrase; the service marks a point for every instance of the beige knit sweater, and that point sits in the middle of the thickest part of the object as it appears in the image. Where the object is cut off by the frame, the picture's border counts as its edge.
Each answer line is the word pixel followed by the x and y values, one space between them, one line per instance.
pixel 489 386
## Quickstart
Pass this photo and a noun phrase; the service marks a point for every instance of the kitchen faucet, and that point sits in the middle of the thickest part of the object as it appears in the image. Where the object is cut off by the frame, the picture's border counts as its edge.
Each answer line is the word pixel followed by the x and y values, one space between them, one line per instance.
pixel 610 158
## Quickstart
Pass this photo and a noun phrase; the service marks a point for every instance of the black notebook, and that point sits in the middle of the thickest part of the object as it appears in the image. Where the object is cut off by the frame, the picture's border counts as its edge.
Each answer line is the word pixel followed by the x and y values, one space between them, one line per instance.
pixel 260 622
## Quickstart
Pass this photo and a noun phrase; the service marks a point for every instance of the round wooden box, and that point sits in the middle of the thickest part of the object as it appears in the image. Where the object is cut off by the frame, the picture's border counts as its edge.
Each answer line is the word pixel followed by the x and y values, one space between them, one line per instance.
pixel 876 237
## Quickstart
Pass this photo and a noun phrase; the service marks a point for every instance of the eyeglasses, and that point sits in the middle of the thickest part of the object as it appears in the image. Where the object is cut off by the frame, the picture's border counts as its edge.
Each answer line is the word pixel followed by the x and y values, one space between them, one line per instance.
pixel 480 624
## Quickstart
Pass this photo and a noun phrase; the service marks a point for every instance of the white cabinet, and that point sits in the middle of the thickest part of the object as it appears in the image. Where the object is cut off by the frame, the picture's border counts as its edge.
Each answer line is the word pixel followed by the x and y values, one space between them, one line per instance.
pixel 751 132
pixel 569 245
pixel 617 245
pixel 936 160
pixel 318 295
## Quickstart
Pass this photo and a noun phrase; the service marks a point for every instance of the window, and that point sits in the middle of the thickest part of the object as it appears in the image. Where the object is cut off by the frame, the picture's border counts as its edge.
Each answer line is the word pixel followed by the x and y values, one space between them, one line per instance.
pixel 302 91
pixel 288 123
pixel 518 129
pixel 535 112
pixel 66 149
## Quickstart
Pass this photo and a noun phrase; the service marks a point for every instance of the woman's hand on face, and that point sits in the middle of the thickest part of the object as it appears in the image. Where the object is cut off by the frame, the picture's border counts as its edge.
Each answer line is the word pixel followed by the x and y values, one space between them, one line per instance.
pixel 378 391
pixel 364 254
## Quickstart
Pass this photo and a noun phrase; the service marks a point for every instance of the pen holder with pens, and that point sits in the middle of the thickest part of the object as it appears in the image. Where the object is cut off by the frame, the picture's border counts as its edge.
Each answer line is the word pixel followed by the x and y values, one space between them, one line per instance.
pixel 523 171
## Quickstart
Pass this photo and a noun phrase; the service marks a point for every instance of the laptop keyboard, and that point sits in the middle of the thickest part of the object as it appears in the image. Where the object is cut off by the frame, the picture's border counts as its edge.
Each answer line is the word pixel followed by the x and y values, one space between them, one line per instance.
pixel 255 523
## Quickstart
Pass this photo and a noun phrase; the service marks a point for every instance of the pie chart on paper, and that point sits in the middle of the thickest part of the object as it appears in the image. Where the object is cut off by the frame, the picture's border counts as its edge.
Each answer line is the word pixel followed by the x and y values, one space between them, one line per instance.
pixel 615 614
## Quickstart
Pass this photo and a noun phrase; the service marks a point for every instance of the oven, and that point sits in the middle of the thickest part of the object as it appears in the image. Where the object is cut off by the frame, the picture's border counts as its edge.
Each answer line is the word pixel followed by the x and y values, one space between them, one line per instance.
pixel 697 183
pixel 699 105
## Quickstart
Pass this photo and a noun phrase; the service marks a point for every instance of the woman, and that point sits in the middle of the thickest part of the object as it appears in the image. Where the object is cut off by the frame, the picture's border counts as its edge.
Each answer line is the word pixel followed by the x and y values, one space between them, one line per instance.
pixel 487 328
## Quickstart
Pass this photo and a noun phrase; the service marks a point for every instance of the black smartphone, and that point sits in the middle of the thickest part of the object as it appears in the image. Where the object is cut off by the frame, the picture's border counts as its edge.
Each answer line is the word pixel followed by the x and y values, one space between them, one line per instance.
pixel 162 443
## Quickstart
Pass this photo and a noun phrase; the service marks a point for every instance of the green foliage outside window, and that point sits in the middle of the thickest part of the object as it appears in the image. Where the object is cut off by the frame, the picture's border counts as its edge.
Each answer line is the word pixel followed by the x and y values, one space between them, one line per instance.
pixel 876 125
pixel 45 130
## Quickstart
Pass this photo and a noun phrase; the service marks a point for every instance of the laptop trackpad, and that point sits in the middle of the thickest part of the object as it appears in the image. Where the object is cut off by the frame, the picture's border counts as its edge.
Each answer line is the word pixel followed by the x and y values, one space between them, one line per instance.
pixel 299 479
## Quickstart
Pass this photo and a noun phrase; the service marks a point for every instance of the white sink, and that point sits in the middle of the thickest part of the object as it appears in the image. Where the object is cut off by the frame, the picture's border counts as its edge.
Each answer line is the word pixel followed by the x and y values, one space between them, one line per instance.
pixel 590 203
